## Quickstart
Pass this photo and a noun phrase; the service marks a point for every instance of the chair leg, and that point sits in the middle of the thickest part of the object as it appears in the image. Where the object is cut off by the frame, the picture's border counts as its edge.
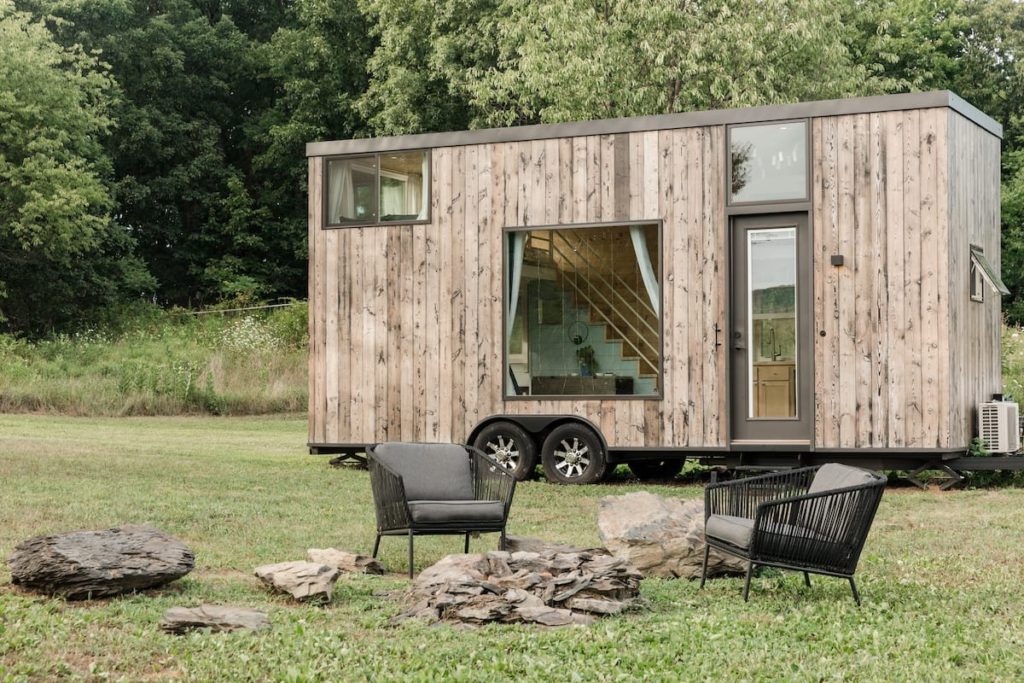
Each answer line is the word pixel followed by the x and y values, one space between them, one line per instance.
pixel 376 546
pixel 465 549
pixel 704 567
pixel 746 584
pixel 410 553
pixel 503 541
pixel 807 579
pixel 856 595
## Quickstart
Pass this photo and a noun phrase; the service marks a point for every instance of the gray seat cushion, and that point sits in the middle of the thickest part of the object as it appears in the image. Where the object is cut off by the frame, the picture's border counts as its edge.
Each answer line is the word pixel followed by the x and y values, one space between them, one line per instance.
pixel 454 511
pixel 738 531
pixel 835 476
pixel 733 530
pixel 430 471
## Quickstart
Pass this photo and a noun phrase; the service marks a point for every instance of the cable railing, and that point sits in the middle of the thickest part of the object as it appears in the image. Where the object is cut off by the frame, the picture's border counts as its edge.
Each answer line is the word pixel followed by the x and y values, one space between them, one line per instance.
pixel 626 338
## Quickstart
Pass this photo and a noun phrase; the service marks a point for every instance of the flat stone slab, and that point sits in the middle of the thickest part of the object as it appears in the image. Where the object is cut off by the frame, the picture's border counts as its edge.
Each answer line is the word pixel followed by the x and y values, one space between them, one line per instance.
pixel 345 561
pixel 304 581
pixel 98 564
pixel 214 617
pixel 660 536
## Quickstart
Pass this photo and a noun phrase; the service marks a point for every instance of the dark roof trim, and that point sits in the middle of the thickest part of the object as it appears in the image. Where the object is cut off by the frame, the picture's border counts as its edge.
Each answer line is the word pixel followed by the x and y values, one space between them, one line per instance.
pixel 856 105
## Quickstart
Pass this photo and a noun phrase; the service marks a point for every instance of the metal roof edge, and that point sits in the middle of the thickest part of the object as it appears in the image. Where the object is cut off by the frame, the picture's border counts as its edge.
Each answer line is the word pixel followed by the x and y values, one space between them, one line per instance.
pixel 546 131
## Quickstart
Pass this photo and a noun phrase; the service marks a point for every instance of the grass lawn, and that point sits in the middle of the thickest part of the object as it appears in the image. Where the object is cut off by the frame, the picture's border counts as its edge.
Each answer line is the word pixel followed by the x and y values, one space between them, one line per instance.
pixel 941 575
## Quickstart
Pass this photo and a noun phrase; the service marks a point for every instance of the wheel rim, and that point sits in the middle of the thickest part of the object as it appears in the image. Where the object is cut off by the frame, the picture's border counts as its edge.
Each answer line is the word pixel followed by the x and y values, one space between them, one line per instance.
pixel 572 457
pixel 504 451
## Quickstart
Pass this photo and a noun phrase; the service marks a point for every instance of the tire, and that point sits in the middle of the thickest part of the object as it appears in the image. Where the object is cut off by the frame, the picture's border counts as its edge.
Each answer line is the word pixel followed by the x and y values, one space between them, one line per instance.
pixel 572 454
pixel 656 470
pixel 511 446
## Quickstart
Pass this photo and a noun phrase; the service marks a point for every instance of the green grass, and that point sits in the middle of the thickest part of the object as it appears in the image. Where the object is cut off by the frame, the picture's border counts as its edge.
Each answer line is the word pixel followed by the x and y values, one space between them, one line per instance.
pixel 941 576
pixel 158 363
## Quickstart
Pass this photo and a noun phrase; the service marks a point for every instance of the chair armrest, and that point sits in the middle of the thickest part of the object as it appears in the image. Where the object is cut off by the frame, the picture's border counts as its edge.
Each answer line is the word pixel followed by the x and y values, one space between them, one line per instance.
pixel 828 528
pixel 389 500
pixel 740 498
pixel 491 481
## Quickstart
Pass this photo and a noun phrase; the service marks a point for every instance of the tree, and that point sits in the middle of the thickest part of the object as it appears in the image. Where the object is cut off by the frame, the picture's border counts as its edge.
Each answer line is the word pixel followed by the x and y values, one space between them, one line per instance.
pixel 504 62
pixel 61 254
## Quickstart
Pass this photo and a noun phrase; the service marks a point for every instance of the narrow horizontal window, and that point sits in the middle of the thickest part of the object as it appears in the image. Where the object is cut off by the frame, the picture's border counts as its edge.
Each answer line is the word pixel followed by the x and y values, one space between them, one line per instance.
pixel 390 187
pixel 582 311
pixel 768 163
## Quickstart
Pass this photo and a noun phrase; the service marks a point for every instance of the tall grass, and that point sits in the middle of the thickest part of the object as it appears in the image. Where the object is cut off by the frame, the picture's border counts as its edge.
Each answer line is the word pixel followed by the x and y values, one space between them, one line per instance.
pixel 163 363
pixel 1013 362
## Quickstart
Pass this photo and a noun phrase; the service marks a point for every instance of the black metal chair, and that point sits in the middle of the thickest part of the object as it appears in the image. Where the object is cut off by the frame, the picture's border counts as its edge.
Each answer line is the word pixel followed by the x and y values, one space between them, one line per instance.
pixel 812 519
pixel 437 489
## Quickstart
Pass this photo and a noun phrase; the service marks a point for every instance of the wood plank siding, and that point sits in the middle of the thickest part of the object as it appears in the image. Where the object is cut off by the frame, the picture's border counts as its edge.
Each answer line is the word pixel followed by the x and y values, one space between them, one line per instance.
pixel 413 314
pixel 406 321
pixel 974 328
pixel 902 355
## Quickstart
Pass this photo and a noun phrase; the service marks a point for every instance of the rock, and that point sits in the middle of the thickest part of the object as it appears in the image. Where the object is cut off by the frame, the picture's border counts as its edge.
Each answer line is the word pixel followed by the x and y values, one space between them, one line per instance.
pixel 304 581
pixel 660 536
pixel 213 617
pixel 97 564
pixel 345 561
pixel 556 587
pixel 535 545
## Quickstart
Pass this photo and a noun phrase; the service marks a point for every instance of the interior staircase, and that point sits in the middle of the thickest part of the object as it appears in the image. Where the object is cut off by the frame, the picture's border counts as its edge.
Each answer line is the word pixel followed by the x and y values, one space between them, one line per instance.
pixel 620 307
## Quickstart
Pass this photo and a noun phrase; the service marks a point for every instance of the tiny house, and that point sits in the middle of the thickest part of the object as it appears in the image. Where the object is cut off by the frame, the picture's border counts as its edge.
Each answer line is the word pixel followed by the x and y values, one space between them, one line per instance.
pixel 796 283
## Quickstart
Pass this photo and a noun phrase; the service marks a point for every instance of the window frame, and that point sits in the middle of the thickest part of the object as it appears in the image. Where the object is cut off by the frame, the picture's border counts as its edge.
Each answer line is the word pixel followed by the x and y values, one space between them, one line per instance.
pixel 377 222
pixel 768 202
pixel 982 274
pixel 506 384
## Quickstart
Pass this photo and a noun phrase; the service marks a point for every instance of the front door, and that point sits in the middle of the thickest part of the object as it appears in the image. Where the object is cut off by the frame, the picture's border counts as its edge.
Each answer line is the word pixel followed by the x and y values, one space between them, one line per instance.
pixel 772 375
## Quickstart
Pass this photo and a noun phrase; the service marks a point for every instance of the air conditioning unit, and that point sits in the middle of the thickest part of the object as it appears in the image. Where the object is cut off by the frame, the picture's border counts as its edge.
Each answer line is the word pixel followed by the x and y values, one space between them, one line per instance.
pixel 999 426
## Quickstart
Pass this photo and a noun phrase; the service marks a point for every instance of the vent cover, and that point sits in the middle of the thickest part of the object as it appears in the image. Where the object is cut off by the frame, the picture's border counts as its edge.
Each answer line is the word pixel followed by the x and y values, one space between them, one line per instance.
pixel 999 426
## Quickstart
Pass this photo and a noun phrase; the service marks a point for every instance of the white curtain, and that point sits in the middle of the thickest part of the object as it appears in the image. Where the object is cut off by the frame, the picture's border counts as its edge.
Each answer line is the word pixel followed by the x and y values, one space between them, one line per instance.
pixel 414 195
pixel 515 273
pixel 392 197
pixel 341 192
pixel 647 272
pixel 424 184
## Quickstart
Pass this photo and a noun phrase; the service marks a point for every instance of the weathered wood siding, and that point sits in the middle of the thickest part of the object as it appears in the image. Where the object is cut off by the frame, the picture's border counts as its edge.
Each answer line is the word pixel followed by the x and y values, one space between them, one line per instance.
pixel 880 353
pixel 406 321
pixel 904 357
pixel 974 346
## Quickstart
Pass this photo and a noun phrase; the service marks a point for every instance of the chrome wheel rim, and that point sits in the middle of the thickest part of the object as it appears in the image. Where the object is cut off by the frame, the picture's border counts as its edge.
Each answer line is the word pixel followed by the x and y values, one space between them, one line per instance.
pixel 504 451
pixel 572 457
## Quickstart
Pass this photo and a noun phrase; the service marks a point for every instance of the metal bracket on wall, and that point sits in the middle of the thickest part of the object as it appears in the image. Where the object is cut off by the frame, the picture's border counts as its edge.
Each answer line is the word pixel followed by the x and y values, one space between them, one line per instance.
pixel 954 478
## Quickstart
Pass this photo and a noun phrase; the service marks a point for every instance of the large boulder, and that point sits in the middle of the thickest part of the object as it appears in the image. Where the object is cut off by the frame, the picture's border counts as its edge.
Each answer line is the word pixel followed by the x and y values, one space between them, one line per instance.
pixel 304 581
pixel 214 617
pixel 98 564
pixel 660 536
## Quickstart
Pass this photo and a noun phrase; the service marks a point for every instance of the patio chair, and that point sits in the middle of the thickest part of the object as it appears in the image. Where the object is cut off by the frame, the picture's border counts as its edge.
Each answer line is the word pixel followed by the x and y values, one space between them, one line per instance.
pixel 437 489
pixel 812 519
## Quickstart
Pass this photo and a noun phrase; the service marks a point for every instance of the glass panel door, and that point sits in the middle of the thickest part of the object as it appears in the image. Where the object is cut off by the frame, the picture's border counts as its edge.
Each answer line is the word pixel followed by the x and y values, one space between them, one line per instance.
pixel 771 382
pixel 771 319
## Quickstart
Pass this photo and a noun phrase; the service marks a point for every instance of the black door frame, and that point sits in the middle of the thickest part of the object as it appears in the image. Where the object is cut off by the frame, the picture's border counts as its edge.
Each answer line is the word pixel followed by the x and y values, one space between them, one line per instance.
pixel 744 430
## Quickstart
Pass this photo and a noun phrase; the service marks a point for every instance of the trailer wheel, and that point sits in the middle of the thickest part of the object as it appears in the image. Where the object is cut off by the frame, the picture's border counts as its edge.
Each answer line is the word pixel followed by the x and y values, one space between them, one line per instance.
pixel 572 454
pixel 656 470
pixel 511 446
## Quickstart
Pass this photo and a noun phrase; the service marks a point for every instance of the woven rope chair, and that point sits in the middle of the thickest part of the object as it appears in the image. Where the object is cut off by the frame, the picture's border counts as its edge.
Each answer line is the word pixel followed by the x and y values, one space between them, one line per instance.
pixel 812 519
pixel 437 489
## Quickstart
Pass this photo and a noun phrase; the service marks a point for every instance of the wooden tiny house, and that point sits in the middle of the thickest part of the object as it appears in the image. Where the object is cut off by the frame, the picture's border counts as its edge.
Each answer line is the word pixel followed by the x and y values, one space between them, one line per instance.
pixel 815 280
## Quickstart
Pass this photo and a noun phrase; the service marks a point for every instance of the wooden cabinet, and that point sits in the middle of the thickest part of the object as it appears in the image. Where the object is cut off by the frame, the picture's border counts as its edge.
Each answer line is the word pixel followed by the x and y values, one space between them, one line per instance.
pixel 775 389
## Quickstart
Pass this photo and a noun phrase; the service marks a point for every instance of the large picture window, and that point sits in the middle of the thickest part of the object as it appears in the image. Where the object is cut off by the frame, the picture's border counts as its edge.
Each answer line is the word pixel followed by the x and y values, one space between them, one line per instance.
pixel 390 187
pixel 583 311
pixel 768 163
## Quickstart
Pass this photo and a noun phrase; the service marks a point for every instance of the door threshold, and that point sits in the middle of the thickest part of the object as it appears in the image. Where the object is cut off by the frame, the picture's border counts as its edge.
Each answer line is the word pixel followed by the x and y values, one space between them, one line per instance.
pixel 769 442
